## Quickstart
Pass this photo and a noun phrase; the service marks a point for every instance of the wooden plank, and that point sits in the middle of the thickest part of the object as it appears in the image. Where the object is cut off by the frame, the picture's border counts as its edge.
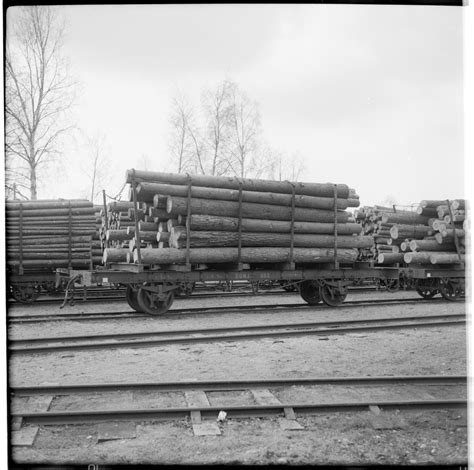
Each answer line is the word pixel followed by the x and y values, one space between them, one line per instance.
pixel 198 399
pixel 25 436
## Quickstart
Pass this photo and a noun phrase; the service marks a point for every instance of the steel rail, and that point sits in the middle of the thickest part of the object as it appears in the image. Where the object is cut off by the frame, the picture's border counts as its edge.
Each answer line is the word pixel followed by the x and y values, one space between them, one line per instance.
pixel 137 334
pixel 82 416
pixel 272 331
pixel 212 310
pixel 245 384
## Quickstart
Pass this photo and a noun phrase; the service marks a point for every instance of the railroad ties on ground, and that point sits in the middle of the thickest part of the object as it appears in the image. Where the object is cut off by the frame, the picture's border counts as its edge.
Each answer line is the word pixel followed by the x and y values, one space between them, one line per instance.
pixel 262 398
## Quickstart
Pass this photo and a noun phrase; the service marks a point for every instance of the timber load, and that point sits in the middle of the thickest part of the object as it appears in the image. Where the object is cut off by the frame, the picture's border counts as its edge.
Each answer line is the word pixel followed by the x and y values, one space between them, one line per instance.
pixel 425 235
pixel 47 234
pixel 200 219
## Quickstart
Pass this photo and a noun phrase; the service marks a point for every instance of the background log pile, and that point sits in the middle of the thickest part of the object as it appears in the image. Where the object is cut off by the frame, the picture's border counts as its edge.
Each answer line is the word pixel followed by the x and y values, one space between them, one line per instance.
pixel 46 234
pixel 260 216
pixel 424 235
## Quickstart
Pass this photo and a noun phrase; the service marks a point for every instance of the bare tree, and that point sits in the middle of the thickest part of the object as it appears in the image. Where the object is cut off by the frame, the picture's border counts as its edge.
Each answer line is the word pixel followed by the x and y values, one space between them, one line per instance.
pixel 180 142
pixel 38 91
pixel 246 129
pixel 290 167
pixel 217 110
pixel 96 164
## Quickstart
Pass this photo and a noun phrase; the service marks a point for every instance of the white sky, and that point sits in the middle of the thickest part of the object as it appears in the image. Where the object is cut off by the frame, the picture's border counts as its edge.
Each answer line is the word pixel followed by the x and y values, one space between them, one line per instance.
pixel 371 95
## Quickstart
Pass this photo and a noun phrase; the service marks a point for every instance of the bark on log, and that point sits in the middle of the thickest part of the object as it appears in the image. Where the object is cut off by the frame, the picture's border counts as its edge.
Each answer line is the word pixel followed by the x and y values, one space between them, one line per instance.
pixel 115 255
pixel 147 226
pixel 307 189
pixel 410 231
pixel 48 240
pixel 117 235
pixel 163 237
pixel 248 255
pixel 178 205
pixel 51 212
pixel 398 218
pixel 229 239
pixel 144 236
pixel 446 258
pixel 421 257
pixel 28 206
pixel 158 214
pixel 157 192
pixel 229 224
pixel 390 258
pixel 430 245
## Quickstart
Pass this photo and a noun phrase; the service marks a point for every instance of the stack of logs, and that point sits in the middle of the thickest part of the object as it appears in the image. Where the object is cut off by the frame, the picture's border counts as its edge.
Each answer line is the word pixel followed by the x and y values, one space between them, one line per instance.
pixel 424 235
pixel 218 212
pixel 46 234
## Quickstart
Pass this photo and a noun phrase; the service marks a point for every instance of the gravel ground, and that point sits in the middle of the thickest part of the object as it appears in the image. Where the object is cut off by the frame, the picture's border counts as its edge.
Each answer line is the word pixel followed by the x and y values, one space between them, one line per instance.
pixel 349 438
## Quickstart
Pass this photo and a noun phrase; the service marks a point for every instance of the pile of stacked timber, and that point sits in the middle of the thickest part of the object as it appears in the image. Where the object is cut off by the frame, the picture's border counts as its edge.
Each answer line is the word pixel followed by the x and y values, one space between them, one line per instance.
pixel 445 240
pixel 395 231
pixel 207 219
pixel 378 221
pixel 46 234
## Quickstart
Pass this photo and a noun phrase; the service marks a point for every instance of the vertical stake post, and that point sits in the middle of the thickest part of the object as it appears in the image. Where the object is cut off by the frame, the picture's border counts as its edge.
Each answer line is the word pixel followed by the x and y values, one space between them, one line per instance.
pixel 20 269
pixel 188 223
pixel 239 249
pixel 456 239
pixel 336 262
pixel 106 223
pixel 292 226
pixel 70 235
pixel 135 213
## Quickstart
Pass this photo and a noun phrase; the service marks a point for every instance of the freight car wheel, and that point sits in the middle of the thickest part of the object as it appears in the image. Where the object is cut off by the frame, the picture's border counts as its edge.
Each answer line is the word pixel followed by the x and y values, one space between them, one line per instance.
pixel 309 291
pixel 333 296
pixel 427 288
pixel 25 294
pixel 151 301
pixel 131 295
pixel 426 292
pixel 451 290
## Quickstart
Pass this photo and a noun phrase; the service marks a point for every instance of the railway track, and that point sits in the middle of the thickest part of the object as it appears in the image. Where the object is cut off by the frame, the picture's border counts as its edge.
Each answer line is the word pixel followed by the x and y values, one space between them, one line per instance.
pixel 248 309
pixel 235 333
pixel 283 397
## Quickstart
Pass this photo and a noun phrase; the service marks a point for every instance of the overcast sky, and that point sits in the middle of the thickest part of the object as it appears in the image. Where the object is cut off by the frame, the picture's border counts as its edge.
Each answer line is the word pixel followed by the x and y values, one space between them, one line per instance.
pixel 371 96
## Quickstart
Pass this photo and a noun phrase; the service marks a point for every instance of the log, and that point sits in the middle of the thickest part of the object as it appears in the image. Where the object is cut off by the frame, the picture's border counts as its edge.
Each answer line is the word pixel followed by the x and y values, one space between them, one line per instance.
pixel 147 226
pixel 228 239
pixel 390 258
pixel 56 263
pixel 178 205
pixel 432 202
pixel 51 212
pixel 46 255
pixel 410 231
pixel 158 213
pixel 48 240
pixel 170 223
pixel 144 236
pixel 248 255
pixel 229 224
pixel 449 232
pixel 114 255
pixel 307 189
pixel 421 257
pixel 458 204
pixel 118 235
pixel 163 237
pixel 157 192
pixel 119 206
pixel 446 258
pixel 430 245
pixel 405 218
pixel 28 206
pixel 428 211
